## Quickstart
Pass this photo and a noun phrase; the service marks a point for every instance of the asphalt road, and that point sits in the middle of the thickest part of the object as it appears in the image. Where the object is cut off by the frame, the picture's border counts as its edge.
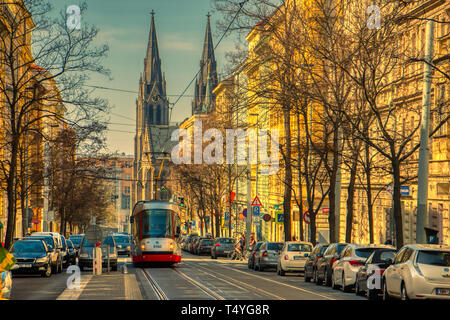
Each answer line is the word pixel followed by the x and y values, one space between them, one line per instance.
pixel 195 278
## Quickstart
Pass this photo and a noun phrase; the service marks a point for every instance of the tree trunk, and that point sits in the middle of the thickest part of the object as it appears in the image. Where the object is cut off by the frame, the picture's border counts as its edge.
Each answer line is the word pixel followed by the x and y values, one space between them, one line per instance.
pixel 287 176
pixel 369 193
pixel 332 194
pixel 300 189
pixel 11 196
pixel 397 204
pixel 351 199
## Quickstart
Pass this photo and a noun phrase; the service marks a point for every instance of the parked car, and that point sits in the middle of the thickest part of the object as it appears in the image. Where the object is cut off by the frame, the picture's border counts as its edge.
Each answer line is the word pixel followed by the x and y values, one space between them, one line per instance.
pixel 350 260
pixel 76 240
pixel 32 256
pixel 65 252
pixel 293 256
pixel 58 237
pixel 324 265
pixel 55 253
pixel 313 258
pixel 188 241
pixel 375 266
pixel 195 244
pixel 6 284
pixel 419 271
pixel 267 256
pixel 251 258
pixel 204 246
pixel 72 252
pixel 86 253
pixel 123 244
pixel 222 247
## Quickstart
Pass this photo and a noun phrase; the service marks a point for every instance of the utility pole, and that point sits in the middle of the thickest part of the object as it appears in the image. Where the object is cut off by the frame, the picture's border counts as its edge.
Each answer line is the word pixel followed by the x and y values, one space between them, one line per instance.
pixel 422 187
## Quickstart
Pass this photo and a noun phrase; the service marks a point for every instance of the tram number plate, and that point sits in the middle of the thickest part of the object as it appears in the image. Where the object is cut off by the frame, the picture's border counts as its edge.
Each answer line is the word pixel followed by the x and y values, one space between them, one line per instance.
pixel 157 246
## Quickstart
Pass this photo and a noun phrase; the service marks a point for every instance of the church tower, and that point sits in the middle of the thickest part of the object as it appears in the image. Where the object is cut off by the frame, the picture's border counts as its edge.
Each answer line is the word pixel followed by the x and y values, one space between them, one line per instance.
pixel 207 79
pixel 152 113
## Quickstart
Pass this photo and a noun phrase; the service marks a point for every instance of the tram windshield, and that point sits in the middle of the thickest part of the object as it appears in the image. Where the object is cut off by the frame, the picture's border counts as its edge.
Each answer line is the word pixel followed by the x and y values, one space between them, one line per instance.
pixel 157 223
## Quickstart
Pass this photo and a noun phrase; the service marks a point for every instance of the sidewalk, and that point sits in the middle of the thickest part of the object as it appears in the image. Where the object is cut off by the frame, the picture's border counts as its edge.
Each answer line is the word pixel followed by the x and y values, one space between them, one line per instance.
pixel 112 286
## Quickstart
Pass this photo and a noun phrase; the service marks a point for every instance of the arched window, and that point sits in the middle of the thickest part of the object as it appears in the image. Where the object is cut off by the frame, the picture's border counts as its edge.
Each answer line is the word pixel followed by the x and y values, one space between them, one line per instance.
pixel 158 115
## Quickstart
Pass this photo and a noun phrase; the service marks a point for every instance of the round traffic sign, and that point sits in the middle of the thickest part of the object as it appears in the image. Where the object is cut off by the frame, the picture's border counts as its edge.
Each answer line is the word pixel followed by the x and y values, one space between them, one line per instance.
pixel 307 218
pixel 267 217
pixel 94 234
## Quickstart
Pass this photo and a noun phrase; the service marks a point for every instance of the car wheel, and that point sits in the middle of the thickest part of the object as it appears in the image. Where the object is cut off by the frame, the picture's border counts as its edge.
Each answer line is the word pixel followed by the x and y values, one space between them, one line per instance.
pixel 372 294
pixel 318 281
pixel 404 292
pixel 333 282
pixel 357 291
pixel 282 272
pixel 386 296
pixel 114 267
pixel 327 278
pixel 81 267
pixel 344 287
pixel 48 272
pixel 306 278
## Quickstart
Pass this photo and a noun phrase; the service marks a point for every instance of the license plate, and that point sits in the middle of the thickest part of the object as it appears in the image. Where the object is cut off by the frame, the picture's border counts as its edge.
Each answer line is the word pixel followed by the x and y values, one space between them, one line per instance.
pixel 156 246
pixel 443 292
pixel 25 265
pixel 298 258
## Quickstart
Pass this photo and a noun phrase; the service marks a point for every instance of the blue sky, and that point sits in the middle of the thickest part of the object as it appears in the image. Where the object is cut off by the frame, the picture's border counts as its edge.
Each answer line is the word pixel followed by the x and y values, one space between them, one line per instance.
pixel 124 26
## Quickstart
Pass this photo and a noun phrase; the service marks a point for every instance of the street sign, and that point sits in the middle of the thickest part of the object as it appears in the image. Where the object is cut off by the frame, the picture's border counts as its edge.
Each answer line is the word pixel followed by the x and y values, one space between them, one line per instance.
pixel 256 210
pixel 244 213
pixel 267 217
pixel 256 202
pixel 227 216
pixel 404 190
pixel 1 225
pixel 326 210
pixel 280 217
pixel 307 218
pixel 94 234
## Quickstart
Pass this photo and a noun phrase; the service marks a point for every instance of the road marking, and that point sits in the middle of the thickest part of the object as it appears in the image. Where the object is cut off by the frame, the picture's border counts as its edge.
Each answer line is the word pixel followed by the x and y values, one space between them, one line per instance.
pixel 132 291
pixel 245 284
pixel 201 286
pixel 277 282
pixel 74 294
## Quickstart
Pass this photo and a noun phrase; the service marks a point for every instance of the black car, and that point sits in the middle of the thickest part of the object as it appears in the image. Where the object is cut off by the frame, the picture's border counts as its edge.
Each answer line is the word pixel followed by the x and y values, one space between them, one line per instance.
pixel 204 246
pixel 311 263
pixel 32 256
pixel 222 247
pixel 325 263
pixel 86 253
pixel 65 252
pixel 251 258
pixel 76 240
pixel 375 265
pixel 123 244
pixel 55 253
pixel 72 252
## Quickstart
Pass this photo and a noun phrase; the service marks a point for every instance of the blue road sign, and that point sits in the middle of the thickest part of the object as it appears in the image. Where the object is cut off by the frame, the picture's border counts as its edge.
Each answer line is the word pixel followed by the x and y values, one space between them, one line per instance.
pixel 256 210
pixel 404 190
pixel 227 216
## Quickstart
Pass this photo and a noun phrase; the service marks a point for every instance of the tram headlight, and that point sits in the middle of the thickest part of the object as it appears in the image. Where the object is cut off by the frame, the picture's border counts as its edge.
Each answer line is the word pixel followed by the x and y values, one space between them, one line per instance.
pixel 143 246
pixel 171 246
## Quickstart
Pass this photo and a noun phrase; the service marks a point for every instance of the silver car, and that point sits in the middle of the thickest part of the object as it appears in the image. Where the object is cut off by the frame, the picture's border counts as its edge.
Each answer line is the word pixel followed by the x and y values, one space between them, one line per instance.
pixel 267 255
pixel 350 260
pixel 419 271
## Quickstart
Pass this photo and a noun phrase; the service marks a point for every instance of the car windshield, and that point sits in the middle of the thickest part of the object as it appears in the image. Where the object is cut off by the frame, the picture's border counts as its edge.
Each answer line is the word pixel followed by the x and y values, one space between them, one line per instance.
pixel 122 239
pixel 364 252
pixel 157 223
pixel 274 246
pixel 69 244
pixel 76 240
pixel 22 247
pixel 207 242
pixel 323 249
pixel 48 241
pixel 435 258
pixel 340 247
pixel 383 256
pixel 226 241
pixel 299 247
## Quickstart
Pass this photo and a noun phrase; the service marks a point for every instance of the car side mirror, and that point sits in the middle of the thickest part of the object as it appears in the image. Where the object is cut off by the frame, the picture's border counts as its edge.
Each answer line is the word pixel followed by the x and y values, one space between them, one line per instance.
pixel 389 261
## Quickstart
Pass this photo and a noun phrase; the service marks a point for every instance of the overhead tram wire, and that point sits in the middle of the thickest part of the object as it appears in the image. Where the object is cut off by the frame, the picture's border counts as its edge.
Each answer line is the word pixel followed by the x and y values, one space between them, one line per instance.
pixel 241 5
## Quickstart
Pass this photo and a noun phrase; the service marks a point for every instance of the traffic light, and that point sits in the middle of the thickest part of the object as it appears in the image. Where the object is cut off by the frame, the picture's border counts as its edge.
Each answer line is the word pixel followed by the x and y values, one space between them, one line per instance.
pixel 181 202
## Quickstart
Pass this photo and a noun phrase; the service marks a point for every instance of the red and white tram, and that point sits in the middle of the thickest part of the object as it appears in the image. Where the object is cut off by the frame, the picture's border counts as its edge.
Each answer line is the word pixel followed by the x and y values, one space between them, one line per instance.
pixel 156 231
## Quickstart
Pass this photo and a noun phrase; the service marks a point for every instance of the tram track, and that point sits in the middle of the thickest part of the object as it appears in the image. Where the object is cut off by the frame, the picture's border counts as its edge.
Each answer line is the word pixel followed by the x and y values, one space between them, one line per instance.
pixel 241 284
pixel 154 285
pixel 161 295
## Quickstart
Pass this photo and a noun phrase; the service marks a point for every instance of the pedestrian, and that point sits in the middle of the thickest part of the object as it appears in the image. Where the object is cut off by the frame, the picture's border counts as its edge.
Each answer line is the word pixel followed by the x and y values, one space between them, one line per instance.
pixel 388 241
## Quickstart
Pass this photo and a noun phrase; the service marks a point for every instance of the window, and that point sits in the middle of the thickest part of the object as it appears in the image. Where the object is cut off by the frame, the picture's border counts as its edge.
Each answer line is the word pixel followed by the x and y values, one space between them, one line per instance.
pixel 399 256
pixel 407 255
pixel 127 190
pixel 435 258
pixel 125 202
